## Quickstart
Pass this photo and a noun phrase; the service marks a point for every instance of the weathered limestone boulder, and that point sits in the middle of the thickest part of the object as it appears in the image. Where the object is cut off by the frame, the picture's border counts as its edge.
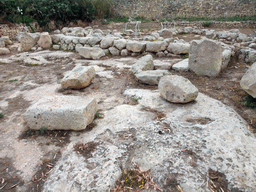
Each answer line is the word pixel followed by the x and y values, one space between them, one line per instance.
pixel 205 57
pixel 210 34
pixel 91 52
pixel 135 46
pixel 156 46
pixel 248 81
pixel 166 32
pixel 181 66
pixel 143 64
pixel 27 40
pixel 177 89
pixel 61 113
pixel 56 38
pixel 151 77
pixel 78 78
pixel 114 51
pixel 2 43
pixel 45 41
pixel 124 52
pixel 242 37
pixel 226 54
pixel 94 40
pixel 107 42
pixel 78 46
pixel 120 44
pixel 188 30
pixel 178 48
pixel 4 51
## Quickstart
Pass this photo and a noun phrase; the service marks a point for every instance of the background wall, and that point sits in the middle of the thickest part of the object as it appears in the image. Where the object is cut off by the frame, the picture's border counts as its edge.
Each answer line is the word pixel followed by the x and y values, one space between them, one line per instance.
pixel 157 9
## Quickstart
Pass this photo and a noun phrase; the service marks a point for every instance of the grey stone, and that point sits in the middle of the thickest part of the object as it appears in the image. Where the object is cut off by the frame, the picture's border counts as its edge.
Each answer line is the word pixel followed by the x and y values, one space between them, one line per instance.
pixel 71 46
pixel 188 30
pixel 156 46
pixel 248 81
pixel 114 51
pixel 181 66
pixel 56 38
pixel 226 55
pixel 94 40
pixel 78 78
pixel 2 43
pixel 178 48
pixel 143 64
pixel 56 47
pixel 45 40
pixel 160 54
pixel 210 34
pixel 120 44
pixel 78 46
pixel 205 57
pixel 242 38
pixel 124 52
pixel 91 52
pixel 135 46
pixel 107 42
pixel 151 77
pixel 27 40
pixel 177 89
pixel 61 113
pixel 4 51
pixel 83 40
pixel 252 45
pixel 166 32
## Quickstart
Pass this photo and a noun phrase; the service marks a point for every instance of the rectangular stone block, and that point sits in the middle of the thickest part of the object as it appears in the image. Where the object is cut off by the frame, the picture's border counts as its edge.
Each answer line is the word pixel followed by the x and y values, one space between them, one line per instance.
pixel 61 113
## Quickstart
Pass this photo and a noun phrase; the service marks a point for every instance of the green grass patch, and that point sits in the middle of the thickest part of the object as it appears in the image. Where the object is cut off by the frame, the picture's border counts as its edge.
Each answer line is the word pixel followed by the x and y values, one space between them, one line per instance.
pixel 13 80
pixel 142 19
pixel 1 115
pixel 115 20
pixel 250 101
pixel 98 115
pixel 234 18
pixel 207 24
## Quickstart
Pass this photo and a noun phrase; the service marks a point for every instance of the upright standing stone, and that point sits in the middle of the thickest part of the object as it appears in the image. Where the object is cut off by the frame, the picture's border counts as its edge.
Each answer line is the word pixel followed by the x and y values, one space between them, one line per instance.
pixel 61 113
pixel 248 81
pixel 205 57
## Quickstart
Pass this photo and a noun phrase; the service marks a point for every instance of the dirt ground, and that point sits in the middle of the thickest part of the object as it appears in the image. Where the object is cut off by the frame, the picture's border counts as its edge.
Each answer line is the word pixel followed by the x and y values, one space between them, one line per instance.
pixel 17 78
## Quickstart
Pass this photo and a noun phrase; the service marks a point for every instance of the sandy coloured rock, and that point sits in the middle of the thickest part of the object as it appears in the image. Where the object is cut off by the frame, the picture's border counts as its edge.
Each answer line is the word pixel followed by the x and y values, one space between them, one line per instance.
pixel 135 46
pixel 248 81
pixel 205 57
pixel 78 78
pixel 143 64
pixel 181 66
pixel 45 41
pixel 151 77
pixel 61 113
pixel 91 52
pixel 177 89
pixel 178 48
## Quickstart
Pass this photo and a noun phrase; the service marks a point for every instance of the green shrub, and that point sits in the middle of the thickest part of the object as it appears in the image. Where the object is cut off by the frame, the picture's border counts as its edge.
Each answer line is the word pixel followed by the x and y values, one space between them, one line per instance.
pixel 42 11
pixel 61 10
pixel 206 24
pixel 1 115
pixel 250 101
pixel 103 8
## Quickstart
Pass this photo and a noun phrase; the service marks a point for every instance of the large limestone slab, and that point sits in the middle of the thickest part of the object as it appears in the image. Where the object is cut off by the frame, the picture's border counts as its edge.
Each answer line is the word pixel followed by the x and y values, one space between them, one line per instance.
pixel 143 64
pixel 205 57
pixel 151 77
pixel 91 52
pixel 248 81
pixel 78 78
pixel 107 42
pixel 61 113
pixel 120 43
pixel 177 89
pixel 178 48
pixel 135 46
pixel 4 51
pixel 190 140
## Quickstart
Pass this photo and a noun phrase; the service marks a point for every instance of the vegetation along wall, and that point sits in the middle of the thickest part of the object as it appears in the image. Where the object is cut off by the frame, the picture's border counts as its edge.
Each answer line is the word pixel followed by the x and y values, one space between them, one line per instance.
pixel 157 9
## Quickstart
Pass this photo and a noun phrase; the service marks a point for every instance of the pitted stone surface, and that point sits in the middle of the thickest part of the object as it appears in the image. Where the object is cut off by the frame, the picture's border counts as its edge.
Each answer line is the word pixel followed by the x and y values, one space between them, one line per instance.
pixel 187 148
pixel 61 113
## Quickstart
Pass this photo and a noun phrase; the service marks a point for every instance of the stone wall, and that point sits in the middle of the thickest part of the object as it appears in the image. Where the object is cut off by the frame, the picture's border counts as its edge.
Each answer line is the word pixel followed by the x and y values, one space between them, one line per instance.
pixel 157 9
